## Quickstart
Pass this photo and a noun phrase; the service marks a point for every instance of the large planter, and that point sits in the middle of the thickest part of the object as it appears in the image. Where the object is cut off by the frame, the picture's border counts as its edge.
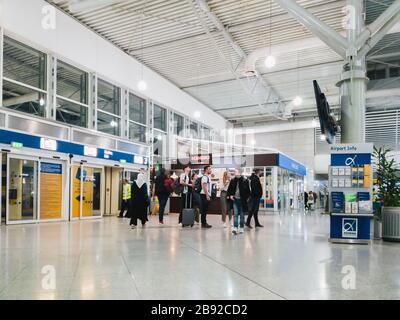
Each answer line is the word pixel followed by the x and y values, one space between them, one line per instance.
pixel 377 229
pixel 391 223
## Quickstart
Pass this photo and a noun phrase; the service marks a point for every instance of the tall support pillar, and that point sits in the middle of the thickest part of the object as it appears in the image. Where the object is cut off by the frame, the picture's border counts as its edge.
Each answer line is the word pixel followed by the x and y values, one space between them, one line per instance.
pixel 353 83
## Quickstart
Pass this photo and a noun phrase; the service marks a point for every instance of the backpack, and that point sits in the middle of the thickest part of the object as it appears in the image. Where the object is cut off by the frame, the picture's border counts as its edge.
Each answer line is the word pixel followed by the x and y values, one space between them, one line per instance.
pixel 168 185
pixel 197 186
pixel 213 191
pixel 177 187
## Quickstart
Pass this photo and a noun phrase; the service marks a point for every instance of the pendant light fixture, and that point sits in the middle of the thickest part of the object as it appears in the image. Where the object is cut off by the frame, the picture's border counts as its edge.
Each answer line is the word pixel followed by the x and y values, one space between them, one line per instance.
pixel 270 60
pixel 142 85
pixel 298 100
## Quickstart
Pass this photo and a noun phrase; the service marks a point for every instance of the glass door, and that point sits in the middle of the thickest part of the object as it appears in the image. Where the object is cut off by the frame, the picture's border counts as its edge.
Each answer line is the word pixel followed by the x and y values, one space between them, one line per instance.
pixel 87 191
pixel 51 182
pixel 22 190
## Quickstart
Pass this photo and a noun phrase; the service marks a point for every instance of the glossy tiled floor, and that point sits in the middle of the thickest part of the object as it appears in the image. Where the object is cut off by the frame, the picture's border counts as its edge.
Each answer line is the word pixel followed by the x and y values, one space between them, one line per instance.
pixel 290 258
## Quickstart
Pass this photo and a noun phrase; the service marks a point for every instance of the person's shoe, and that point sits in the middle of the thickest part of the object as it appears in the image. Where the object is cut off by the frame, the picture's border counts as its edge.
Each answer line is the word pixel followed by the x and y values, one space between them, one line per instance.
pixel 133 226
pixel 241 230
pixel 120 216
pixel 234 230
pixel 259 226
pixel 160 222
pixel 249 226
pixel 206 226
pixel 224 224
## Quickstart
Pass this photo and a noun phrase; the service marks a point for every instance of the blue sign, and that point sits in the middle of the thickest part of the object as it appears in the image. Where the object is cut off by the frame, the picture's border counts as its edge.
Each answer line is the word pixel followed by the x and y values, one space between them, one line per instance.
pixel 53 168
pixel 358 159
pixel 33 142
pixel 345 227
pixel 291 165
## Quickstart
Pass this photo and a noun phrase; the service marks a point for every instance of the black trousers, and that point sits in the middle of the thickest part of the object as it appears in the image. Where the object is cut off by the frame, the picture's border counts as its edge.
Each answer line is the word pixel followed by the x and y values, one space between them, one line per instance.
pixel 255 207
pixel 124 207
pixel 204 209
pixel 186 202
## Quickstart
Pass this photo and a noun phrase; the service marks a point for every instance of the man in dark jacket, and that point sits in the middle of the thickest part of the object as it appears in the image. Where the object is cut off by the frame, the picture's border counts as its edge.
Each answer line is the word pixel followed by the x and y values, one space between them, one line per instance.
pixel 256 194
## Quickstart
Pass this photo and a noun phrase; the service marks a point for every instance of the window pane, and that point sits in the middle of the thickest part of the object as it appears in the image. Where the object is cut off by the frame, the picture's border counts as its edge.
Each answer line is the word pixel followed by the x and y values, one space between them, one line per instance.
pixel 194 130
pixel 71 113
pixel 137 132
pixel 72 83
pixel 108 97
pixel 137 109
pixel 178 125
pixel 205 133
pixel 108 124
pixel 22 99
pixel 24 64
pixel 160 118
pixel 160 144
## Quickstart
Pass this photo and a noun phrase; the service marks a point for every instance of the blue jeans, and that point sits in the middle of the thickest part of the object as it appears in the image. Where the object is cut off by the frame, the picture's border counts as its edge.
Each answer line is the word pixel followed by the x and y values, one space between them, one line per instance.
pixel 162 200
pixel 238 210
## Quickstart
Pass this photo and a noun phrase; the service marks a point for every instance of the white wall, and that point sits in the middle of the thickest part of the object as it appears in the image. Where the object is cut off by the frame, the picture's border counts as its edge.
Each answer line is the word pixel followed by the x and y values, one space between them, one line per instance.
pixel 70 40
pixel 298 144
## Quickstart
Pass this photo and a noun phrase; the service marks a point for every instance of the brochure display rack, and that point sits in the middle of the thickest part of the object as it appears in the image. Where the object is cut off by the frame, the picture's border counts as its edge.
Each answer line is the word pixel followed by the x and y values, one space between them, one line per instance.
pixel 350 191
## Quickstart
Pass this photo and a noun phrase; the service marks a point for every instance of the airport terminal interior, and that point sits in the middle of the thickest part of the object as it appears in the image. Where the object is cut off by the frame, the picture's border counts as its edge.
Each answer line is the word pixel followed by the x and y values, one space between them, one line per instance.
pixel 200 149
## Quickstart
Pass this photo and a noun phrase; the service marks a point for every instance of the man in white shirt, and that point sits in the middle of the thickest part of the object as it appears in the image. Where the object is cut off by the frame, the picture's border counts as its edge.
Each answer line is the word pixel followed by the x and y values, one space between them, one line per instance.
pixel 186 193
pixel 205 194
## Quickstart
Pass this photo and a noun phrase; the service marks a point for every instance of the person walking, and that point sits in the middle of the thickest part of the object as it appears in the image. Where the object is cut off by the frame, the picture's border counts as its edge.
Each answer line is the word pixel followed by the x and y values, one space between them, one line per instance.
pixel 186 183
pixel 305 200
pixel 126 198
pixel 162 189
pixel 225 207
pixel 205 194
pixel 256 193
pixel 238 193
pixel 140 201
pixel 310 200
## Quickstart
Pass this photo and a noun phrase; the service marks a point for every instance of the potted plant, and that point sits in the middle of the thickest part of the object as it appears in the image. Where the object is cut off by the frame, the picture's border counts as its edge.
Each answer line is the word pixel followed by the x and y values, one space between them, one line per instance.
pixel 387 195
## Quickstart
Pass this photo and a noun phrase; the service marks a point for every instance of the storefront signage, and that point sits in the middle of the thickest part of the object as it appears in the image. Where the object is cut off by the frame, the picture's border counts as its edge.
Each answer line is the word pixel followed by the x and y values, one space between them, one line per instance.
pixel 90 151
pixel 122 160
pixel 17 145
pixel 201 159
pixel 108 154
pixel 352 148
pixel 291 165
pixel 23 140
pixel 48 144
pixel 138 160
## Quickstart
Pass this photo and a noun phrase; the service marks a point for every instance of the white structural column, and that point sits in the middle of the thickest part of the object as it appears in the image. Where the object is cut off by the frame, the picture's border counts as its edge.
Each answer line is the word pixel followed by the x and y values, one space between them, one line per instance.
pixel 359 41
pixel 353 83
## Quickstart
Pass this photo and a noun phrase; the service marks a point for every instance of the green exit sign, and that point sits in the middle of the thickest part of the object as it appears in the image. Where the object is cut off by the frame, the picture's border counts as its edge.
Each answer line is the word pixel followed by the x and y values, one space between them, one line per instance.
pixel 17 145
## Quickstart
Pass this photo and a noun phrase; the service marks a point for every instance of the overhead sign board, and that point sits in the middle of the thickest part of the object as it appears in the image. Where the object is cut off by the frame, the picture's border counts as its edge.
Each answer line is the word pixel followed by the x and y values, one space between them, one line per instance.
pixel 90 151
pixel 48 144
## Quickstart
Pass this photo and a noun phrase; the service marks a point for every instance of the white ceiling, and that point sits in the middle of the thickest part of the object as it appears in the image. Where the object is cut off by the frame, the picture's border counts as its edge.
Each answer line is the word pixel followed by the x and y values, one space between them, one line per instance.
pixel 169 37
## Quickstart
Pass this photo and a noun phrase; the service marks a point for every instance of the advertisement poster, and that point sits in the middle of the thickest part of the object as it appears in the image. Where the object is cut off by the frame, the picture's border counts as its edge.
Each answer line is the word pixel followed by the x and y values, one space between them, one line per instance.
pixel 50 191
pixel 76 191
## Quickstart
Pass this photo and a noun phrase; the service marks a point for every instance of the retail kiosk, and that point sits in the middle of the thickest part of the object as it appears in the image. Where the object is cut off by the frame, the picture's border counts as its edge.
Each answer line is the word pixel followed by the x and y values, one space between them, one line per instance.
pixel 350 185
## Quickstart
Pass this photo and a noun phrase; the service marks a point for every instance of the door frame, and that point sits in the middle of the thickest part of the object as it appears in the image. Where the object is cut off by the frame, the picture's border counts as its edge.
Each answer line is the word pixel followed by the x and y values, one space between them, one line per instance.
pixel 82 165
pixel 30 158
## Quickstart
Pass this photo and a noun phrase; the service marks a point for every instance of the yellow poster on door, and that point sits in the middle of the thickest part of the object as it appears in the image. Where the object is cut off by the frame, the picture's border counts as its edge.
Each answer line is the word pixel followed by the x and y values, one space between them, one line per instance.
pixel 51 191
pixel 87 192
pixel 76 191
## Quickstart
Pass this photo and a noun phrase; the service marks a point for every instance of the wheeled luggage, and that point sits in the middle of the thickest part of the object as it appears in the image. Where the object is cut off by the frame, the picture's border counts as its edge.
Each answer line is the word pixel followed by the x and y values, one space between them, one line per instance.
pixel 188 214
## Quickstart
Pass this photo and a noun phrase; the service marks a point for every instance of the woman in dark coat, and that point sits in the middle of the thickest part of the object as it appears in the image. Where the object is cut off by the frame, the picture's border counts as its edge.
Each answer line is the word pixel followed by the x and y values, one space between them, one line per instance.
pixel 140 201
pixel 238 193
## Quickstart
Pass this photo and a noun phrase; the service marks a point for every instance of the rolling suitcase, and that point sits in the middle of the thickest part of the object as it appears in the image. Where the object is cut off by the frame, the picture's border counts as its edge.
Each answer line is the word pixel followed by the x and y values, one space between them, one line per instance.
pixel 188 215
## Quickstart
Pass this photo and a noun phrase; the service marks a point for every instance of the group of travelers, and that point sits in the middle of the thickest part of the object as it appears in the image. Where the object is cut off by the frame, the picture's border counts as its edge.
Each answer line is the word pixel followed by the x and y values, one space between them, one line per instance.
pixel 239 195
